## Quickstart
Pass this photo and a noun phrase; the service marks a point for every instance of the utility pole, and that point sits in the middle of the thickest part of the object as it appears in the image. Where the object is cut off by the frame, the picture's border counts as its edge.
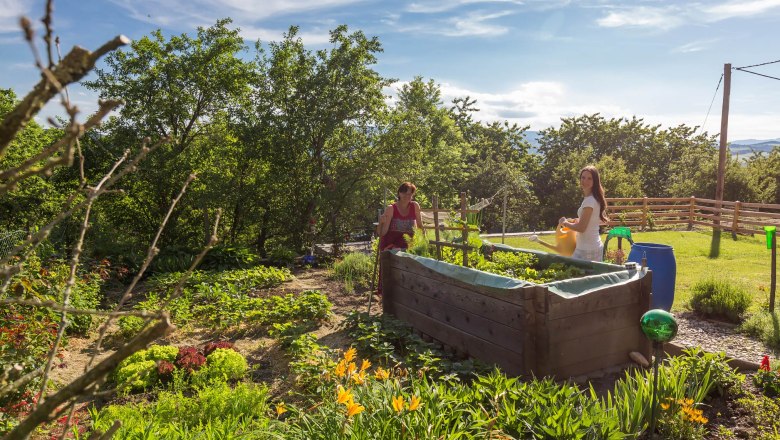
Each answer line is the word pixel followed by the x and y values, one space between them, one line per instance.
pixel 724 128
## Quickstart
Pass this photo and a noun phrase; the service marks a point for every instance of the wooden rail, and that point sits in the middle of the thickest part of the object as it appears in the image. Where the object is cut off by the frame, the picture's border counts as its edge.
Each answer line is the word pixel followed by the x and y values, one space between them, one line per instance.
pixel 737 217
pixel 436 213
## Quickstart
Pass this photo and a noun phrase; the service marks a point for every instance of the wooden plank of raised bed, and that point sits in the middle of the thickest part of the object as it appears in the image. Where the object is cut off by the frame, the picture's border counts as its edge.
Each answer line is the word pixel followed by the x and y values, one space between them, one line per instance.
pixel 605 298
pixel 470 323
pixel 514 296
pixel 510 361
pixel 492 308
pixel 591 365
pixel 625 339
pixel 593 323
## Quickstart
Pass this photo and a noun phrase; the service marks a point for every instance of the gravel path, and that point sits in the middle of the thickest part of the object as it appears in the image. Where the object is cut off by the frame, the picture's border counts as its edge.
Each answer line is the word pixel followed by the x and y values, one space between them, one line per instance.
pixel 714 336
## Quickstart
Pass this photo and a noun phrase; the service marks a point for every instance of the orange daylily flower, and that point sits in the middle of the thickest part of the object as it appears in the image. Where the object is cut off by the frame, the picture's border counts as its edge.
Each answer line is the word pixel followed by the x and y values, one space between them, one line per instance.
pixel 341 369
pixel 364 366
pixel 344 396
pixel 353 409
pixel 359 378
pixel 382 374
pixel 398 403
pixel 351 368
pixel 350 354
pixel 280 409
pixel 414 403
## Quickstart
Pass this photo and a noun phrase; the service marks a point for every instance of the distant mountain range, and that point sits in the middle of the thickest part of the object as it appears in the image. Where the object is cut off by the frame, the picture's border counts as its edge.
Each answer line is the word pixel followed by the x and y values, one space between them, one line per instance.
pixel 746 147
pixel 742 147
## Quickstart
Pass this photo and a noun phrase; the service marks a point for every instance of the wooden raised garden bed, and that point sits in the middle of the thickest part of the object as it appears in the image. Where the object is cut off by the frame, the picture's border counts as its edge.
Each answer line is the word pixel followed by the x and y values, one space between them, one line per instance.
pixel 563 329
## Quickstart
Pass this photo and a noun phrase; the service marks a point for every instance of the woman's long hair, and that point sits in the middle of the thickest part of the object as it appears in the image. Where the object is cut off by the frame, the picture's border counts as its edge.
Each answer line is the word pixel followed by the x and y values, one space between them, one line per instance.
pixel 597 191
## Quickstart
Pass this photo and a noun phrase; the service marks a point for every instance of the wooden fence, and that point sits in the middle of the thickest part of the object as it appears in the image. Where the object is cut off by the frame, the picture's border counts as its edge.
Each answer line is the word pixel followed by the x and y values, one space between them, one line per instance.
pixel 737 217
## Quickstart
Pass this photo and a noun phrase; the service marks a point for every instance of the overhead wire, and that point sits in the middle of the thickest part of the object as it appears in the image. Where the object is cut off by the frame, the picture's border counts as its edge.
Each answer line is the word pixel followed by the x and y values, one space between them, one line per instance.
pixel 756 73
pixel 711 102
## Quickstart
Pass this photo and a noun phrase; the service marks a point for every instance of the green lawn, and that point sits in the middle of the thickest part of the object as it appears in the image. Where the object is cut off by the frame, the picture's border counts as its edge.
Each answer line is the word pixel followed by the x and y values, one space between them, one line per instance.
pixel 745 260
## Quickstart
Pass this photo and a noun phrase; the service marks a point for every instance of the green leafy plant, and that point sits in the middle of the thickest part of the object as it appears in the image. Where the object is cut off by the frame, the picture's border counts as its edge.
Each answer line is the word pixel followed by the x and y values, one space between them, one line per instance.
pixel 764 326
pixel 720 298
pixel 217 411
pixel 355 270
pixel 129 326
pixel 223 364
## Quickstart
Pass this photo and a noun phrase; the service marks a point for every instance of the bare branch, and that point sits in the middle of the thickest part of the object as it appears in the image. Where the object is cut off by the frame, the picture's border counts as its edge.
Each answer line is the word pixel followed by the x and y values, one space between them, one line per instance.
pixel 150 254
pixel 75 131
pixel 180 284
pixel 22 381
pixel 47 23
pixel 77 63
pixel 46 409
pixel 57 307
pixel 34 241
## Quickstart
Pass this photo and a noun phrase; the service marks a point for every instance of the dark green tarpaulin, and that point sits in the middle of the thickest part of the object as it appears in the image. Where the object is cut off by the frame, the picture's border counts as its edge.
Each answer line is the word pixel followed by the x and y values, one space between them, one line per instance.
pixel 598 275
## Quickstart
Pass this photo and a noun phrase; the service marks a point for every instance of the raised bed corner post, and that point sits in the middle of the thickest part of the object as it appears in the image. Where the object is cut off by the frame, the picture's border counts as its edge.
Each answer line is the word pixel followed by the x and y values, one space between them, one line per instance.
pixel 436 226
pixel 465 231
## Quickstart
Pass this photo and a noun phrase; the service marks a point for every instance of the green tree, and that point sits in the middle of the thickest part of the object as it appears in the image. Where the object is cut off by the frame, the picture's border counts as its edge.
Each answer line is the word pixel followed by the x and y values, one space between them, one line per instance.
pixel 315 120
pixel 37 199
pixel 182 88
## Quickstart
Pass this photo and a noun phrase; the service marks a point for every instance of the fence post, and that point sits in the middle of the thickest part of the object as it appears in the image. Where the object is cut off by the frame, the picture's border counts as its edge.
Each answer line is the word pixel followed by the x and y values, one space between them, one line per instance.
pixel 436 225
pixel 735 221
pixel 644 213
pixel 465 229
pixel 690 213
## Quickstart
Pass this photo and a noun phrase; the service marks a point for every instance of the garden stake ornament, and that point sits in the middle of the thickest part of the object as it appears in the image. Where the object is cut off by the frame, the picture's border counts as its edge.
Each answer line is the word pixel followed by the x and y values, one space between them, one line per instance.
pixel 659 326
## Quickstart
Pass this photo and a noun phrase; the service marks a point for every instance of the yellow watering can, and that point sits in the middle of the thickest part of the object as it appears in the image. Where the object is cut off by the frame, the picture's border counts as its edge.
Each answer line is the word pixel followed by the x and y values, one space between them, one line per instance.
pixel 565 241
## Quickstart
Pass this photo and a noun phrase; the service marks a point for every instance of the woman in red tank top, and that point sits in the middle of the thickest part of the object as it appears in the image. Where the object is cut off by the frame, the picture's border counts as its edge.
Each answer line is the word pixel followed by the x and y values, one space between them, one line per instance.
pixel 399 219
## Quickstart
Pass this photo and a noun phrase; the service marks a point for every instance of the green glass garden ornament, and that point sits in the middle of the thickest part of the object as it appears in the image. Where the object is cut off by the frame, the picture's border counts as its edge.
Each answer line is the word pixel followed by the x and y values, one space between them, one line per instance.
pixel 659 325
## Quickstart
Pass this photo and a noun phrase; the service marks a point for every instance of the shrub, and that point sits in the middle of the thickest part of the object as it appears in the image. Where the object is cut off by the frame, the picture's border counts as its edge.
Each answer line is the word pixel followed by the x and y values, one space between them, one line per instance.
pixel 720 298
pixel 221 365
pixel 355 269
pixel 228 257
pixel 764 326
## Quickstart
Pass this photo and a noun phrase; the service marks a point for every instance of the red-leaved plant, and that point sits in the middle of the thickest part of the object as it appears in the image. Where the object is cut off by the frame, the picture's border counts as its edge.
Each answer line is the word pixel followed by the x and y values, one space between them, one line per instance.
pixel 211 346
pixel 190 359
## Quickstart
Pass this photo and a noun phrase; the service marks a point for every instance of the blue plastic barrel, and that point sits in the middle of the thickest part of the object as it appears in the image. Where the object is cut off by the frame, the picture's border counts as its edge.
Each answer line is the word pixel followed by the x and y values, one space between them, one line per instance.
pixel 660 259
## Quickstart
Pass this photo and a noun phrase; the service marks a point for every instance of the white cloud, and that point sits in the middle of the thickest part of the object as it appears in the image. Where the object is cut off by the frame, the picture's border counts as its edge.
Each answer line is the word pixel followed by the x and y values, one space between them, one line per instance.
pixel 642 16
pixel 435 6
pixel 472 24
pixel 668 17
pixel 246 14
pixel 540 104
pixel 10 12
pixel 695 46
pixel 264 34
pixel 155 11
pixel 739 9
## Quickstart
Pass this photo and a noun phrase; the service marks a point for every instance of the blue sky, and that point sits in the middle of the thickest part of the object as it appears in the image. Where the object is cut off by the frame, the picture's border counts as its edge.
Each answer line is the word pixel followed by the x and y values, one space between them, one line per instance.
pixel 531 62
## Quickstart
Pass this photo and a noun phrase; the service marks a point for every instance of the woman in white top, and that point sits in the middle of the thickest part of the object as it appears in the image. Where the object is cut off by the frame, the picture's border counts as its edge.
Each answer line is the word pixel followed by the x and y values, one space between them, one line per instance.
pixel 591 213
